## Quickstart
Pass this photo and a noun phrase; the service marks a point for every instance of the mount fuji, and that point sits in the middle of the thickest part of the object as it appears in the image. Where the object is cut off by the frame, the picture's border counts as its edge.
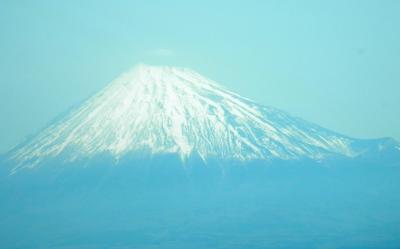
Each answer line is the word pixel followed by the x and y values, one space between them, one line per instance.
pixel 160 110
pixel 166 158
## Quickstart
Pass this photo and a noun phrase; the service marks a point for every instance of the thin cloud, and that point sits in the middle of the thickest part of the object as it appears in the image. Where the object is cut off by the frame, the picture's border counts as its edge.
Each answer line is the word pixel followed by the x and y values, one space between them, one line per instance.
pixel 163 52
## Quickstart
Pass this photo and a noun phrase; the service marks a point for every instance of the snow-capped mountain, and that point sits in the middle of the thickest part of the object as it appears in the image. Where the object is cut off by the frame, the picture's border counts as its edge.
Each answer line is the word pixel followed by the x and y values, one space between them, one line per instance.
pixel 155 110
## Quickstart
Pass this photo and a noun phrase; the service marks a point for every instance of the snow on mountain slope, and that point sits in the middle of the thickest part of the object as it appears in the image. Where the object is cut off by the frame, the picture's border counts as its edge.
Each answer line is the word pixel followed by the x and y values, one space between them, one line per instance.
pixel 160 110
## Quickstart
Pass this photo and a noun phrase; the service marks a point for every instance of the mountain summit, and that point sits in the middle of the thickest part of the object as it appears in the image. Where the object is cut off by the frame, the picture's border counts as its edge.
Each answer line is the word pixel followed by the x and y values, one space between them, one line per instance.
pixel 153 110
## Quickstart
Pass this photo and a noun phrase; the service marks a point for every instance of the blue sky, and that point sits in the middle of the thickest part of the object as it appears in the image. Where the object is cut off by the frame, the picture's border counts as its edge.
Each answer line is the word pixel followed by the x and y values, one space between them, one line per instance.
pixel 335 63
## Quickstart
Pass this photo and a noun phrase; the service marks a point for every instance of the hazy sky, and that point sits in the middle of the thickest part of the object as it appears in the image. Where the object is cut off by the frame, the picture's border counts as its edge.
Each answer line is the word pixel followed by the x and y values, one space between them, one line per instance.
pixel 336 63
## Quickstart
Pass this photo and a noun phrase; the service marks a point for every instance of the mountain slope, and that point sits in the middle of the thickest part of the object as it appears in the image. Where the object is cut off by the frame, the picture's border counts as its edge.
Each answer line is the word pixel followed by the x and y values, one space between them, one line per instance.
pixel 166 110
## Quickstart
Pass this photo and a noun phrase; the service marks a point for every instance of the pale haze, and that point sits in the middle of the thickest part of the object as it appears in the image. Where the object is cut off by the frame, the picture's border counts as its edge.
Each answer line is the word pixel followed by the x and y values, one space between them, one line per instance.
pixel 333 63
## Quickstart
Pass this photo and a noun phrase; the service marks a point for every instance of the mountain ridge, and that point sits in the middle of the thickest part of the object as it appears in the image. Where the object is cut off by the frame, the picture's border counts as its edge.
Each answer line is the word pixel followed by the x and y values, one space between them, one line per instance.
pixel 170 110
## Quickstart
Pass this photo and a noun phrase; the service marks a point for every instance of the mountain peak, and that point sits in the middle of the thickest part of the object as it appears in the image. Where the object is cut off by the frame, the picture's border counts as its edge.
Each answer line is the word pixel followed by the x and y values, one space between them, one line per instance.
pixel 159 75
pixel 153 110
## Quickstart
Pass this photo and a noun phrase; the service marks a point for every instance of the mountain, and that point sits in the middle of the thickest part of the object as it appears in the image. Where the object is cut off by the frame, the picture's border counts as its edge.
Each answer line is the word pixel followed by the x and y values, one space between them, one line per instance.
pixel 165 158
pixel 158 110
